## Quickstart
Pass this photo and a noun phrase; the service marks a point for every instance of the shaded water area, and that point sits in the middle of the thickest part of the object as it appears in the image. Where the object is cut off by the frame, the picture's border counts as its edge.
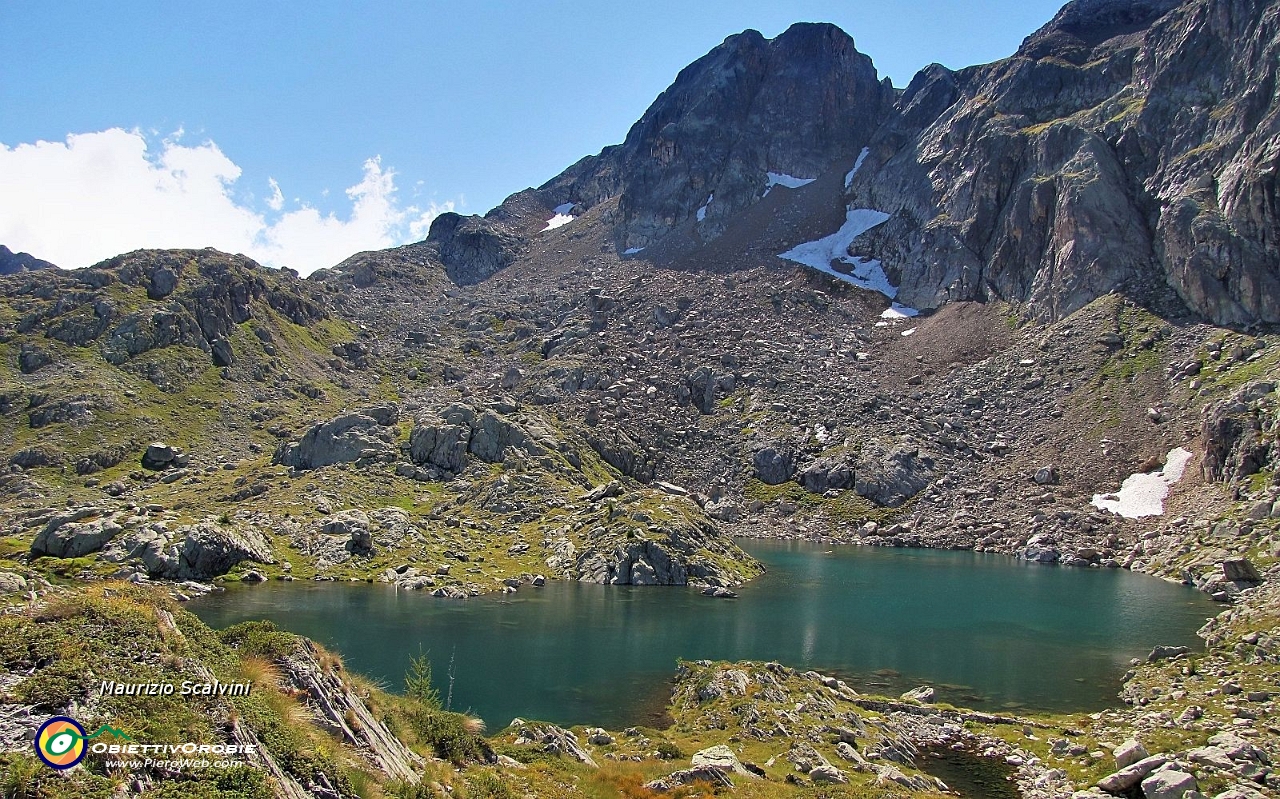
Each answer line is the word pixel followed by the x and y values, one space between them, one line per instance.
pixel 987 631
pixel 967 774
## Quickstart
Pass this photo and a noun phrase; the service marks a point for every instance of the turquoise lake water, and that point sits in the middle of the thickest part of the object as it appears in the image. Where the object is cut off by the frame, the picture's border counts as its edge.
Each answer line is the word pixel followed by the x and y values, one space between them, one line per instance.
pixel 987 631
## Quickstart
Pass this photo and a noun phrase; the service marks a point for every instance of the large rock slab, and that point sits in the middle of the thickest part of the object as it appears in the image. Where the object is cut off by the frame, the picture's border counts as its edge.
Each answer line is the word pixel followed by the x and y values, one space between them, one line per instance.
pixel 1168 784
pixel 889 474
pixel 775 464
pixel 1129 752
pixel 459 431
pixel 75 534
pixel 210 550
pixel 1131 775
pixel 723 758
pixel 364 435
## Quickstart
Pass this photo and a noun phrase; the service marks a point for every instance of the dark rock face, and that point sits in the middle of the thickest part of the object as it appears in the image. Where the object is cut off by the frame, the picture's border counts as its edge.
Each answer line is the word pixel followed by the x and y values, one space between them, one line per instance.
pixel 32 359
pixel 471 247
pixel 1238 434
pixel 159 456
pixel 1122 147
pixel 775 464
pixel 826 474
pixel 624 453
pixel 1127 145
pixel 792 105
pixel 12 262
pixel 1084 24
pixel 890 475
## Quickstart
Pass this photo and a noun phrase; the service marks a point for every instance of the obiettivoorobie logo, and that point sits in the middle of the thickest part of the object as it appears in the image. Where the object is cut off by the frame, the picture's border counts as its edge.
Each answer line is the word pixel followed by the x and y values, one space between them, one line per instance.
pixel 61 741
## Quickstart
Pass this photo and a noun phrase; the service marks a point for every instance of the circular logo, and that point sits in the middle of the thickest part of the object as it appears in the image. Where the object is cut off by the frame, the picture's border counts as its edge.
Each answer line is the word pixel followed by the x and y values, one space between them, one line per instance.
pixel 60 742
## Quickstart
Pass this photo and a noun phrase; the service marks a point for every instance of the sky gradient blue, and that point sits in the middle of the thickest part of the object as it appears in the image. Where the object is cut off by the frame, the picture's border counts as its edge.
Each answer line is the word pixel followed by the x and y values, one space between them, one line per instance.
pixel 467 101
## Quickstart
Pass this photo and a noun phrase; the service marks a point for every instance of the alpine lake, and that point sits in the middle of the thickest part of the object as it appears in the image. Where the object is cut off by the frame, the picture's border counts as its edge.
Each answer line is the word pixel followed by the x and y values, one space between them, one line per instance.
pixel 986 631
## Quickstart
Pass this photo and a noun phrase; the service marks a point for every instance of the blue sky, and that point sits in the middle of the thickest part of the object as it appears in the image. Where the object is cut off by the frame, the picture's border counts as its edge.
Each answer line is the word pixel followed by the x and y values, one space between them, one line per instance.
pixel 462 103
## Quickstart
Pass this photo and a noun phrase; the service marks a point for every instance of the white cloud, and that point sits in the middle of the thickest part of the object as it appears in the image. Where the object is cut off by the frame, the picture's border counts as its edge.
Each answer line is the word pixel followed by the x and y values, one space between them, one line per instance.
pixel 104 193
pixel 276 201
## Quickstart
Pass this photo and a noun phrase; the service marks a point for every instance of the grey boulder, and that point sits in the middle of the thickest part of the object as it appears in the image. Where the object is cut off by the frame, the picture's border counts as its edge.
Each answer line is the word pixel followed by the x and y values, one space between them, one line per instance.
pixel 364 435
pixel 1168 784
pixel 75 534
pixel 210 550
pixel 889 475
pixel 775 464
pixel 11 583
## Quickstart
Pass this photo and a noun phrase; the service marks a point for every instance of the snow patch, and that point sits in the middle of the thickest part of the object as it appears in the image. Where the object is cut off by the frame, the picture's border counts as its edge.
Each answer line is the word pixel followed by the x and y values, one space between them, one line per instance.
pixel 896 311
pixel 786 181
pixel 862 156
pixel 632 250
pixel 702 212
pixel 1143 494
pixel 563 216
pixel 908 332
pixel 866 272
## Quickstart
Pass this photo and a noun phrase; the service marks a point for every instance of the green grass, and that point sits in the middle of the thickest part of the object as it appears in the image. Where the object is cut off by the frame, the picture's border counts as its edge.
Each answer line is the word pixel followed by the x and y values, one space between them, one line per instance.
pixel 848 508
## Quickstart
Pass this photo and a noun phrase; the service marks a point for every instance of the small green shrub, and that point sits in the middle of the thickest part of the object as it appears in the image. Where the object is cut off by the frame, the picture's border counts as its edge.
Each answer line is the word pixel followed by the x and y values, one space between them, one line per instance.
pixel 56 685
pixel 405 790
pixel 259 638
pixel 487 785
pixel 237 782
pixel 23 777
pixel 668 751
pixel 448 735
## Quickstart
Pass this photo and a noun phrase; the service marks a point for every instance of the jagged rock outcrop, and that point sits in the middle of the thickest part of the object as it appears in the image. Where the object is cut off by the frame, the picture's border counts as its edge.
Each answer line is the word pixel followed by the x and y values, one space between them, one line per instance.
pixel 678 552
pixel 552 739
pixel 459 430
pixel 193 298
pixel 1239 433
pixel 76 533
pixel 338 707
pixel 365 435
pixel 704 386
pixel 827 473
pixel 775 463
pixel 472 247
pixel 889 474
pixel 792 105
pixel 12 262
pixel 624 453
pixel 1124 145
pixel 209 550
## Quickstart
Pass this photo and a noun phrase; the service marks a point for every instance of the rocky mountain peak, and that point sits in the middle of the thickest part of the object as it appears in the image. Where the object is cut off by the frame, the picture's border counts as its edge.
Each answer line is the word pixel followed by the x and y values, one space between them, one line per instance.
pixel 13 262
pixel 1083 24
pixel 790 106
pixel 749 114
pixel 1124 147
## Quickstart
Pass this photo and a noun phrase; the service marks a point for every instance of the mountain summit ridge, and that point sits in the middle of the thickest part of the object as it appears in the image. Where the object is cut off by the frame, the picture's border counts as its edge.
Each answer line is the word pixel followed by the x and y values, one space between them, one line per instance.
pixel 1074 167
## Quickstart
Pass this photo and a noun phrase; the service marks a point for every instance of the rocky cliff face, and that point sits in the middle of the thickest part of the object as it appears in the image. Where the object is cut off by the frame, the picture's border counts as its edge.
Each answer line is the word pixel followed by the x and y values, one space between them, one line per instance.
pixel 793 106
pixel 790 106
pixel 1126 144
